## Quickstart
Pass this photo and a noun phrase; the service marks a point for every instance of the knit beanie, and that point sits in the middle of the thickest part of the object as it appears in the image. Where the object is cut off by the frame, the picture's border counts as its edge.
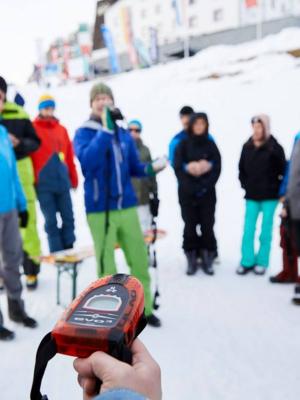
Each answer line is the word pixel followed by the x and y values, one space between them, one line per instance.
pixel 136 123
pixel 3 85
pixel 46 101
pixel 100 88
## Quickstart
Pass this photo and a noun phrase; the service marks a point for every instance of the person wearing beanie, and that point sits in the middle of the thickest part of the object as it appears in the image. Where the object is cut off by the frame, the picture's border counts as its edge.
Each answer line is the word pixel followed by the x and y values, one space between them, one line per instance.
pixel 261 168
pixel 55 173
pixel 198 167
pixel 13 213
pixel 25 141
pixel 109 159
pixel 145 189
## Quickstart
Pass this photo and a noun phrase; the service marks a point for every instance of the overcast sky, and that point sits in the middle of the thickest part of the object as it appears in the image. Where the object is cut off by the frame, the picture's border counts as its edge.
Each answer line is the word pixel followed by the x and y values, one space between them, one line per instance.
pixel 22 22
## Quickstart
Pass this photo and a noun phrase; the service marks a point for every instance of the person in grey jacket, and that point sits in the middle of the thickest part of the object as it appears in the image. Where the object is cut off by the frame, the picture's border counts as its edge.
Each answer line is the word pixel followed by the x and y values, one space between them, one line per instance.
pixel 120 381
pixel 293 193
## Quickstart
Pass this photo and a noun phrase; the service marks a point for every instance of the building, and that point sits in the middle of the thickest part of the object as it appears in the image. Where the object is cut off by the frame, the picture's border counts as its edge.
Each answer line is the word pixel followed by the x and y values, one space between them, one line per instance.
pixel 101 8
pixel 175 19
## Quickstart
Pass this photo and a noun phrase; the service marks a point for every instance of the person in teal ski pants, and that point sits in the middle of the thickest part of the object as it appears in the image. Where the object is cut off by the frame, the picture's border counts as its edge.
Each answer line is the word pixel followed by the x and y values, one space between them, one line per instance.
pixel 261 169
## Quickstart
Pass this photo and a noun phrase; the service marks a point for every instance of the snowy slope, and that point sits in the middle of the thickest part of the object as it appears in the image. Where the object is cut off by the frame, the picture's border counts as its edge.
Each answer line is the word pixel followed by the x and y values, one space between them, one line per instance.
pixel 224 338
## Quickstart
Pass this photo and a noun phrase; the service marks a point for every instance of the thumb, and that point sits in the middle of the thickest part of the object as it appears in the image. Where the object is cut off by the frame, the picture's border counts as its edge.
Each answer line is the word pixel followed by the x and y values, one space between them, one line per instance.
pixel 97 365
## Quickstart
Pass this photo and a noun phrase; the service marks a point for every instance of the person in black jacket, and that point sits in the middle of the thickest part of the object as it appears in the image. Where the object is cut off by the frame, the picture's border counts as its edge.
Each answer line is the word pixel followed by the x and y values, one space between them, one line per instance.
pixel 198 167
pixel 262 166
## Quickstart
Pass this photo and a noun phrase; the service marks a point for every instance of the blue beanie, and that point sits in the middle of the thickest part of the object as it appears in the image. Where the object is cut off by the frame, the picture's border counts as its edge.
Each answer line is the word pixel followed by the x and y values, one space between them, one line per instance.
pixel 46 101
pixel 137 123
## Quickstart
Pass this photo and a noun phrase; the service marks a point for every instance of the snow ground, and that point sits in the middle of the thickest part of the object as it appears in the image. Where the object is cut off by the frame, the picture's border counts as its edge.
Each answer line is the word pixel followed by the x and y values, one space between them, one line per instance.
pixel 223 338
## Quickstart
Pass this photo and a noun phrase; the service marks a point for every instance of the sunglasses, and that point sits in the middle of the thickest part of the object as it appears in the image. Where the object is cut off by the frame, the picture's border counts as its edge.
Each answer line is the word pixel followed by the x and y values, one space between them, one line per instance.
pixel 255 120
pixel 137 130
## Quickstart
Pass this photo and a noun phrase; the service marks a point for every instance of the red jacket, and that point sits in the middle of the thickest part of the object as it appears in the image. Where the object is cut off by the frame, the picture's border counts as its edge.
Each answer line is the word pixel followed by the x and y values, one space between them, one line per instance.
pixel 55 141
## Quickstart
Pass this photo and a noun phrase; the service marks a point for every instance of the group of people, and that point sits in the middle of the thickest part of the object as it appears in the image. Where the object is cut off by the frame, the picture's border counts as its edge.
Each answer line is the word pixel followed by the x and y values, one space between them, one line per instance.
pixel 37 162
pixel 266 178
pixel 121 193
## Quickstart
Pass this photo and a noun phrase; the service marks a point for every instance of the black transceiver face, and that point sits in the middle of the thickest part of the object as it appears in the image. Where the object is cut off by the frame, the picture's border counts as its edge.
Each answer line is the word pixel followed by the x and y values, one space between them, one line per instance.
pixel 101 308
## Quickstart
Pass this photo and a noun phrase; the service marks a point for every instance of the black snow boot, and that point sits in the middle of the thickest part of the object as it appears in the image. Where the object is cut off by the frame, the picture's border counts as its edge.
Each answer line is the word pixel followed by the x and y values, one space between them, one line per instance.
pixel 192 262
pixel 30 266
pixel 18 314
pixel 154 321
pixel 207 262
pixel 5 334
pixel 296 298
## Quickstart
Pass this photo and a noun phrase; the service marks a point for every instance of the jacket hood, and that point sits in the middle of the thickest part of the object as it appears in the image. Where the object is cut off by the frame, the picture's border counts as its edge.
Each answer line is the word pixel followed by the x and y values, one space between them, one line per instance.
pixel 13 111
pixel 194 118
pixel 266 122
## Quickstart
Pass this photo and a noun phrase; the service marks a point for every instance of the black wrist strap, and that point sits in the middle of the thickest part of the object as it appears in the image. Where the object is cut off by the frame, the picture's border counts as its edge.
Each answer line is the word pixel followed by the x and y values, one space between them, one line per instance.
pixel 46 351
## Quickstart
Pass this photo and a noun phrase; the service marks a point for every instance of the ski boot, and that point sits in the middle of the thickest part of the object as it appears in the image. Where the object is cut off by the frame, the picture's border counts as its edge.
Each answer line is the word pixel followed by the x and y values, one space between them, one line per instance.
pixel 296 298
pixel 5 334
pixel 31 282
pixel 192 262
pixel 259 270
pixel 31 270
pixel 244 270
pixel 2 288
pixel 207 262
pixel 18 314
pixel 154 321
pixel 282 278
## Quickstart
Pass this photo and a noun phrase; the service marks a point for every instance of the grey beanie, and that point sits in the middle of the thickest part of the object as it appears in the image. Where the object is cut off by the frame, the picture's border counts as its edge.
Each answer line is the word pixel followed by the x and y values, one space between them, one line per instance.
pixel 100 88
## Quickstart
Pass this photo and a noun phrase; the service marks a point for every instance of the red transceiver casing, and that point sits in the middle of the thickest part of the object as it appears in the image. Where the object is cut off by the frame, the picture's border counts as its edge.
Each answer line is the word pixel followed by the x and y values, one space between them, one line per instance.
pixel 105 317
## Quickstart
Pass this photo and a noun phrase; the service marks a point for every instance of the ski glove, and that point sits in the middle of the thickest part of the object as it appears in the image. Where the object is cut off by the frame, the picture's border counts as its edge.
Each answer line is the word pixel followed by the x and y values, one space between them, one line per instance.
pixel 154 205
pixel 157 166
pixel 24 217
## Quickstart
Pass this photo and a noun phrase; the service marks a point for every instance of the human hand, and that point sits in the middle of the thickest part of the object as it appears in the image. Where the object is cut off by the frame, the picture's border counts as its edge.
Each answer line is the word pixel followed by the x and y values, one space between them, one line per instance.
pixel 14 140
pixel 204 167
pixel 143 377
pixel 284 213
pixel 193 168
pixel 159 164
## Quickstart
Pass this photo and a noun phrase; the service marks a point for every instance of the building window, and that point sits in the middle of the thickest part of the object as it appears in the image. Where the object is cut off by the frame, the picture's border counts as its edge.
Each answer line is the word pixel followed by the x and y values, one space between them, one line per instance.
pixel 193 22
pixel 218 15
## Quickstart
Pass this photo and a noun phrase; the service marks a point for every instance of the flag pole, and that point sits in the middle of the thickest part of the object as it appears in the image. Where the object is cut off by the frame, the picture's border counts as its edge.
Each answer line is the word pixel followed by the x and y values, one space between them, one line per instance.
pixel 259 25
pixel 185 22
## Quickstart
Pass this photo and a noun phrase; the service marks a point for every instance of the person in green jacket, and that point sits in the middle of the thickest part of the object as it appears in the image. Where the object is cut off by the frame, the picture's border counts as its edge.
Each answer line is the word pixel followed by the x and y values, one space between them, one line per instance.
pixel 25 141
pixel 145 189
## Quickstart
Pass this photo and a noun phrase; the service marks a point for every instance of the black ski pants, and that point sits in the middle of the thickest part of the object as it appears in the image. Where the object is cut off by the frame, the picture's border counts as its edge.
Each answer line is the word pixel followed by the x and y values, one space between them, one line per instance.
pixel 199 220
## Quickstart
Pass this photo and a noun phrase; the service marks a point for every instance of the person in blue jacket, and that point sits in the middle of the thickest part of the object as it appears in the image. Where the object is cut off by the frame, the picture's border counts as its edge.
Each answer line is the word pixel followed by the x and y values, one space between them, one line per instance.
pixel 184 114
pixel 13 212
pixel 139 381
pixel 109 159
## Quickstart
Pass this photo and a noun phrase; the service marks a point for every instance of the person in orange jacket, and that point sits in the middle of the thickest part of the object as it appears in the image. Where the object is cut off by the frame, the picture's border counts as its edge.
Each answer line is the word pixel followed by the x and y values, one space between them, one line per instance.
pixel 55 174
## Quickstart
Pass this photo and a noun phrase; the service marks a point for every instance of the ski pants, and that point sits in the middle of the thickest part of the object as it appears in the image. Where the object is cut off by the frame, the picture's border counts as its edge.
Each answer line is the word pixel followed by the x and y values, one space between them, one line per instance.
pixel 31 241
pixel 124 229
pixel 289 250
pixel 253 209
pixel 53 203
pixel 11 255
pixel 199 221
pixel 296 231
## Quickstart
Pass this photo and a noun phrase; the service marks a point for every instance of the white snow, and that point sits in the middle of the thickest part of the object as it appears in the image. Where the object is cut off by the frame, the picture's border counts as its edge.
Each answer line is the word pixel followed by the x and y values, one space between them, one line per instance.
pixel 223 338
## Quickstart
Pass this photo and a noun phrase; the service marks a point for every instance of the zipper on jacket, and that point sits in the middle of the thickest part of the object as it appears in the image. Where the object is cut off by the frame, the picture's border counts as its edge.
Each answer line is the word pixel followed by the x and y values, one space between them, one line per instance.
pixel 118 159
pixel 95 190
